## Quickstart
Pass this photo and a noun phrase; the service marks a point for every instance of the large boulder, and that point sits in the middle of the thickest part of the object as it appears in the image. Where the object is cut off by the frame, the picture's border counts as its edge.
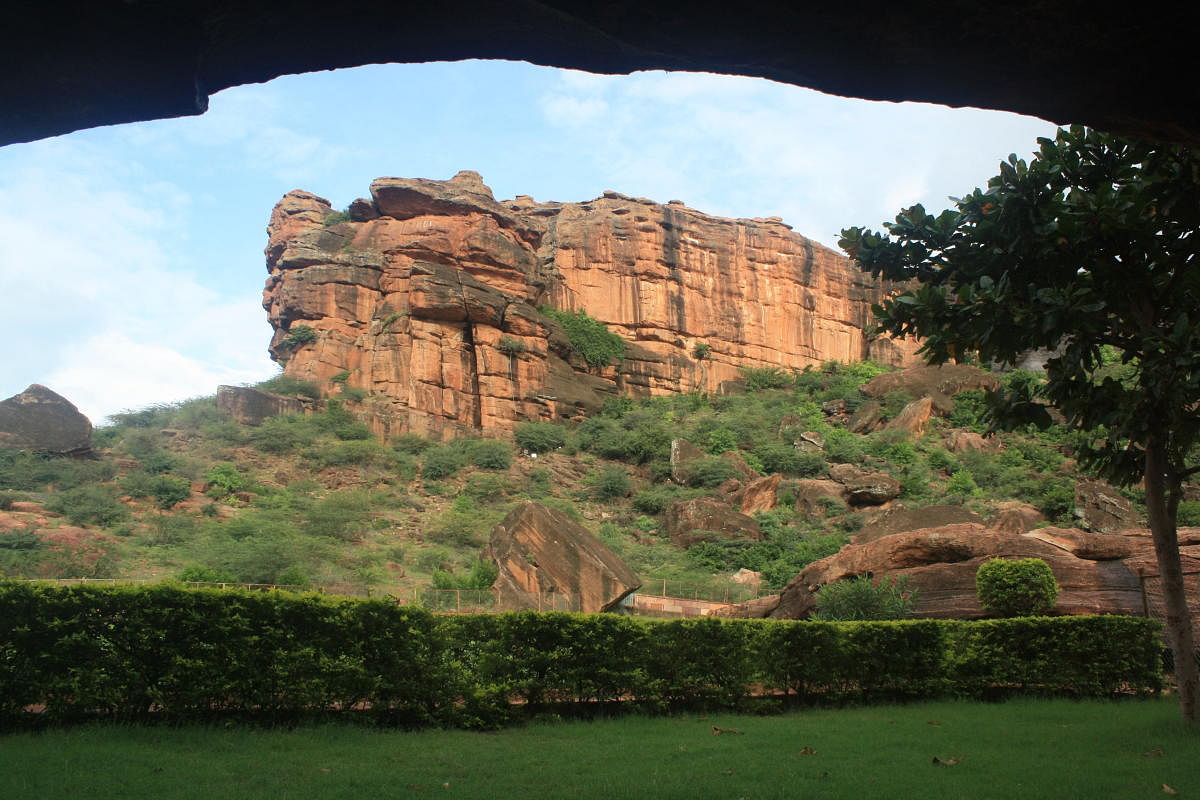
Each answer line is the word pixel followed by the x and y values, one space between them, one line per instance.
pixel 815 495
pixel 939 383
pixel 913 418
pixel 760 495
pixel 863 487
pixel 901 519
pixel 703 518
pixel 683 455
pixel 540 551
pixel 251 406
pixel 1102 508
pixel 1097 573
pixel 44 421
pixel 1013 516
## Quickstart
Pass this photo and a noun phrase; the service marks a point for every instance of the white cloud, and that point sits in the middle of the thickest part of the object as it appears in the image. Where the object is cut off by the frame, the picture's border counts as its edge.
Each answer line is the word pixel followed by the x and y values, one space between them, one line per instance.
pixel 111 372
pixel 749 147
pixel 98 299
pixel 561 109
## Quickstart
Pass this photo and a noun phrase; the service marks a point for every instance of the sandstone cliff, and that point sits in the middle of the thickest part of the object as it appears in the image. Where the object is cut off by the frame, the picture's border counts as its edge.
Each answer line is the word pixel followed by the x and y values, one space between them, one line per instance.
pixel 427 297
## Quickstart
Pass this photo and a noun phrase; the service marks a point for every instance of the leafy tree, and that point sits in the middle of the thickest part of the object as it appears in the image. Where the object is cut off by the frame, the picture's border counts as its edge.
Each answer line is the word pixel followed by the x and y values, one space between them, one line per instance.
pixel 1090 245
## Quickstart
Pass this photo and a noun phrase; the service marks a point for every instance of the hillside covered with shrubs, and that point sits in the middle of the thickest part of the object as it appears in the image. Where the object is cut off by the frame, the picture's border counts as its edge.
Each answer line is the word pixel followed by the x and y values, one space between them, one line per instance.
pixel 184 491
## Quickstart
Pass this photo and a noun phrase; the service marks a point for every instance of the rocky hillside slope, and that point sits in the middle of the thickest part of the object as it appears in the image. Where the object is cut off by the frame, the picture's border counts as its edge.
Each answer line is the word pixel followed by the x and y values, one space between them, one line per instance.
pixel 426 296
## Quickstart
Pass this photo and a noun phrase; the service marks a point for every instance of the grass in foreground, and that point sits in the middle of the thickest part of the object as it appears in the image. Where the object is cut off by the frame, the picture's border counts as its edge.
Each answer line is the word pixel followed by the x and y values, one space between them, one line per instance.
pixel 1028 749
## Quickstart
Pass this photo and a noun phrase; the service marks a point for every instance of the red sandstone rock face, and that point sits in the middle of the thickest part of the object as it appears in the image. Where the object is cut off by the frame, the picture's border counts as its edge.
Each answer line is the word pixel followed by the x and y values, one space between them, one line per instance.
pixel 1097 573
pixel 428 297
pixel 540 551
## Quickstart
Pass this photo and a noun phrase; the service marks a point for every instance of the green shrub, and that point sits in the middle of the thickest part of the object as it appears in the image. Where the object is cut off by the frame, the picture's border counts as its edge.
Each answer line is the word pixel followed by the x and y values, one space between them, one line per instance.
pixel 341 515
pixel 1189 512
pixel 538 483
pixel 298 336
pixel 89 505
pixel 411 444
pixel 7 499
pixel 359 452
pixel 287 385
pixel 785 458
pixel 701 351
pixel 481 576
pixel 486 487
pixel 970 411
pixel 336 218
pixel 284 434
pixel 1017 587
pixel 463 525
pixel 720 440
pixel 589 337
pixel 539 437
pixel 341 378
pixel 709 472
pixel 654 501
pixel 510 346
pixel 442 462
pixel 170 490
pixel 865 598
pixel 760 378
pixel 195 574
pixel 490 454
pixel 962 486
pixel 224 479
pixel 26 471
pixel 609 483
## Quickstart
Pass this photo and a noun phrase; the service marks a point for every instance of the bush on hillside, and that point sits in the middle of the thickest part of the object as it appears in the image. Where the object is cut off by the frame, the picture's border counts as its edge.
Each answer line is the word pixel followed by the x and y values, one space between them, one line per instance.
pixel 224 479
pixel 539 437
pixel 609 483
pixel 481 576
pixel 490 454
pixel 411 444
pixel 89 505
pixel 442 462
pixel 1016 587
pixel 169 491
pixel 709 472
pixel 289 386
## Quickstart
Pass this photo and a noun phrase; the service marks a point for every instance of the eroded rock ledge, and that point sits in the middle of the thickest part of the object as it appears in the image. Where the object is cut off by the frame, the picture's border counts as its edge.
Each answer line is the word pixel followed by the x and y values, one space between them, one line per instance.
pixel 427 295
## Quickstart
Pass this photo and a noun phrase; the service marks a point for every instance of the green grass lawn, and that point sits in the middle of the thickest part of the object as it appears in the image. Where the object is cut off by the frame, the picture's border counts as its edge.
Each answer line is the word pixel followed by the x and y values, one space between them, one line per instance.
pixel 1021 749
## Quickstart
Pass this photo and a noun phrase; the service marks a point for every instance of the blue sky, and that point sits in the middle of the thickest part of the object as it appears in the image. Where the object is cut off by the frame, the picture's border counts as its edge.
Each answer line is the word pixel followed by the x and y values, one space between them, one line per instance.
pixel 131 258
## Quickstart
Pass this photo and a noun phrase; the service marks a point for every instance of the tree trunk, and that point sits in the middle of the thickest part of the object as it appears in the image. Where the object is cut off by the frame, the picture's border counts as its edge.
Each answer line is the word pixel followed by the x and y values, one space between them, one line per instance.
pixel 1166 550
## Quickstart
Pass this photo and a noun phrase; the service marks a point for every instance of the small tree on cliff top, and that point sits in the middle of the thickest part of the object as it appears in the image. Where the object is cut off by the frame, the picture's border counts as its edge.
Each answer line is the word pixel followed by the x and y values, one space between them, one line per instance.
pixel 1091 244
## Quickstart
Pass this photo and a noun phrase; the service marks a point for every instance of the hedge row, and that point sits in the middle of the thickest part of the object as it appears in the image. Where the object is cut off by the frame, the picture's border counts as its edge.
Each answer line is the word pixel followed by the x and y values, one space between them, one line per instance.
pixel 177 653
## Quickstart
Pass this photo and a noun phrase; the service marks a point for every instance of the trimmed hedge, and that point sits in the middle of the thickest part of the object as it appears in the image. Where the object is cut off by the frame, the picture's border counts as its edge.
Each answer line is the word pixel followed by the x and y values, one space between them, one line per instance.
pixel 175 653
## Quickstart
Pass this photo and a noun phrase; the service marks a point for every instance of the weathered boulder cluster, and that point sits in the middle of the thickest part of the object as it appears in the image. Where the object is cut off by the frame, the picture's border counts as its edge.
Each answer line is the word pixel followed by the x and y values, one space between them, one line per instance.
pixel 426 296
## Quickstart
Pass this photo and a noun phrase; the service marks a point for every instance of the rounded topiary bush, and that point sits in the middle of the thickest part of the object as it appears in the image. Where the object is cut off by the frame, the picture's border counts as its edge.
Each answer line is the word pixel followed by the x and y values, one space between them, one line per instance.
pixel 1016 587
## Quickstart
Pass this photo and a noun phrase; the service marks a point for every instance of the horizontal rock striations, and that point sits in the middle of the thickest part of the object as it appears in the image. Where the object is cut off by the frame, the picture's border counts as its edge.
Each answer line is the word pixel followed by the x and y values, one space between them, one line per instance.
pixel 427 295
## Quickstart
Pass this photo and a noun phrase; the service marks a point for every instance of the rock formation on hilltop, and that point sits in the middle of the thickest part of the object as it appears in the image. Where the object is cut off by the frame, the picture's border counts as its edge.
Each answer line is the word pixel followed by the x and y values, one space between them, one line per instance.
pixel 44 421
pixel 426 296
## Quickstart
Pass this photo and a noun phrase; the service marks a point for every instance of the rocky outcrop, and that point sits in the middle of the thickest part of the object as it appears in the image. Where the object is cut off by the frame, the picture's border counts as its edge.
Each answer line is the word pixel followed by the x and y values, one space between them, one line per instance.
pixel 44 421
pixel 541 552
pixel 687 522
pixel 1102 508
pixel 939 383
pixel 900 519
pixel 760 495
pixel 427 295
pixel 1097 573
pixel 251 406
pixel 865 487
